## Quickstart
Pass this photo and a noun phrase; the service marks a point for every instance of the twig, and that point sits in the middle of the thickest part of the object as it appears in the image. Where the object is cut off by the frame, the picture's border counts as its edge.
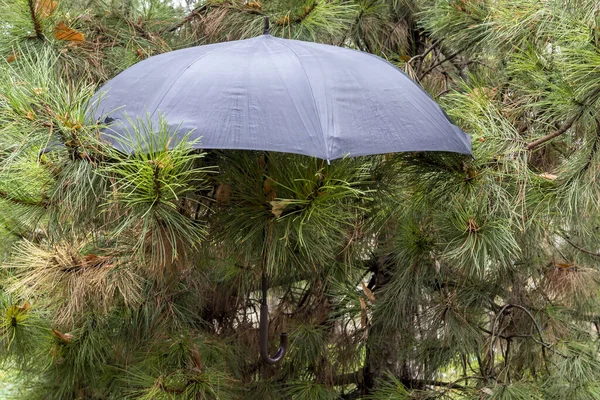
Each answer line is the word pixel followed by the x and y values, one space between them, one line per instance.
pixel 424 54
pixel 357 378
pixel 193 14
pixel 450 57
pixel 37 26
pixel 443 92
pixel 535 323
pixel 140 29
pixel 358 17
pixel 432 382
pixel 505 337
pixel 551 136
pixel 591 253
pixel 389 37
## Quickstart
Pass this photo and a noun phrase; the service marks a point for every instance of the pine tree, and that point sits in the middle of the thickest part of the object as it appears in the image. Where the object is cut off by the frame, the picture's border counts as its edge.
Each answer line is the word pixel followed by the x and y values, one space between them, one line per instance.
pixel 397 276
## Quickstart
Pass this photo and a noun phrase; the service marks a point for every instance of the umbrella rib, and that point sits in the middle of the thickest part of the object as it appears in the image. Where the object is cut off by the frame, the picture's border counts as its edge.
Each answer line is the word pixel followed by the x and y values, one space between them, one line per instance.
pixel 313 98
pixel 425 92
pixel 456 137
pixel 177 79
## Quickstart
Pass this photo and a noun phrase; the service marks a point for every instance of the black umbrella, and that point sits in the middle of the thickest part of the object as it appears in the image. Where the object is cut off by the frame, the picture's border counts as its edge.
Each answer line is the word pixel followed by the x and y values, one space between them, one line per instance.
pixel 274 94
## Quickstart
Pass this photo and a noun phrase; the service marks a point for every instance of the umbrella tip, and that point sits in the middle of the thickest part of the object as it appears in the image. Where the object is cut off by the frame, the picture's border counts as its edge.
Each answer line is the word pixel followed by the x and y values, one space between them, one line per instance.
pixel 266 31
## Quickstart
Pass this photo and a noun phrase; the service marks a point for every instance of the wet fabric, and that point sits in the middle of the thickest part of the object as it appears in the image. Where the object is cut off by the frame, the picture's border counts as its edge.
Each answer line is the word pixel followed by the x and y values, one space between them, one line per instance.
pixel 274 94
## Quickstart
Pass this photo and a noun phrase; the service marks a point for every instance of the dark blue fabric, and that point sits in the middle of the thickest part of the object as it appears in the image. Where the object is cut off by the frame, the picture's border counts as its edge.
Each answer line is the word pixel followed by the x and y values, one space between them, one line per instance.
pixel 267 93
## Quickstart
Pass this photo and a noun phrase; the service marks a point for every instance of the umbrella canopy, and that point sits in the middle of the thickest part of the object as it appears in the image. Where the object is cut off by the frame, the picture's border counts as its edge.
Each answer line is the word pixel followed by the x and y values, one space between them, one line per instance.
pixel 268 93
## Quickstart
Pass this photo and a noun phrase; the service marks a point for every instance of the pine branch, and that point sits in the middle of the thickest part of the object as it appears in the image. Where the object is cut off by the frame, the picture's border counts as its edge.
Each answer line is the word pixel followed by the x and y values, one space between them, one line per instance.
pixel 591 253
pixel 193 14
pixel 37 25
pixel 298 18
pixel 425 53
pixel 432 382
pixel 345 35
pixel 505 337
pixel 10 198
pixel 356 378
pixel 449 58
pixel 387 40
pixel 557 133
pixel 537 326
pixel 589 99
pixel 199 11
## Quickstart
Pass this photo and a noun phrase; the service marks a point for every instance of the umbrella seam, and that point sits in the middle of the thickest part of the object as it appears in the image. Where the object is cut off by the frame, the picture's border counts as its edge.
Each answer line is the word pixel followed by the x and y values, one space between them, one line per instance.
pixel 313 98
pixel 304 44
pixel 418 85
pixel 177 79
pixel 439 107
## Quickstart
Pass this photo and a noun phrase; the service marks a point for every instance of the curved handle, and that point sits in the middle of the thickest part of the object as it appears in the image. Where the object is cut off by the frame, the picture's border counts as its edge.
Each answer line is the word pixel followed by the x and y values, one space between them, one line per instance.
pixel 263 330
pixel 263 338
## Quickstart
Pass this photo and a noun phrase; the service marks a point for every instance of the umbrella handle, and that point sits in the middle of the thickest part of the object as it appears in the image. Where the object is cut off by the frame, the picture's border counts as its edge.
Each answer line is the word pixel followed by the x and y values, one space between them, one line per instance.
pixel 263 334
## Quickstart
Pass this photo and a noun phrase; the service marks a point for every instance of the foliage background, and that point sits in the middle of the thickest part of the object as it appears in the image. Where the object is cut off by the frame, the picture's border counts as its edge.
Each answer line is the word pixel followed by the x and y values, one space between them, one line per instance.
pixel 397 276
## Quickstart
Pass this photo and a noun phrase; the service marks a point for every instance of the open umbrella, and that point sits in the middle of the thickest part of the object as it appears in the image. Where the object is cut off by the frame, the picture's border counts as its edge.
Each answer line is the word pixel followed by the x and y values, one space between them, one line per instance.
pixel 274 94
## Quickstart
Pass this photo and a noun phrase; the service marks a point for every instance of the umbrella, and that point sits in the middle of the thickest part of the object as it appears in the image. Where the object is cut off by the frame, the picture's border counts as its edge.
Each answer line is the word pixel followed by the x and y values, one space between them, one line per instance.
pixel 273 94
